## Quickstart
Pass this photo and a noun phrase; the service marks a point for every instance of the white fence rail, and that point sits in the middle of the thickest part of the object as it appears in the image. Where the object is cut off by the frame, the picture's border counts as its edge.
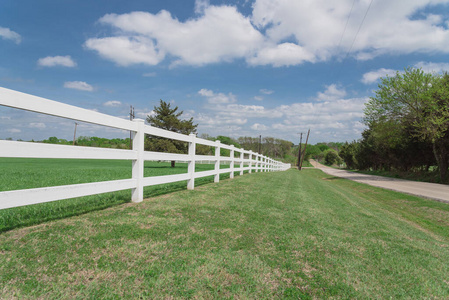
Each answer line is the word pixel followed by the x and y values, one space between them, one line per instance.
pixel 245 160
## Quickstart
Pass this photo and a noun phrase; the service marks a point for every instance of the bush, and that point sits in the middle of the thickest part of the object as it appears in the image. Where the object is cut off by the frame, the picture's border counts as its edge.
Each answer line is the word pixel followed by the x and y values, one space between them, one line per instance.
pixel 331 157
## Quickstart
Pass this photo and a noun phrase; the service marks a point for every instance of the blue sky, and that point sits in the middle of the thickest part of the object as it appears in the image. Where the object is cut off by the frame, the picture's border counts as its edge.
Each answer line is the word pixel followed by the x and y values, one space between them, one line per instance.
pixel 239 68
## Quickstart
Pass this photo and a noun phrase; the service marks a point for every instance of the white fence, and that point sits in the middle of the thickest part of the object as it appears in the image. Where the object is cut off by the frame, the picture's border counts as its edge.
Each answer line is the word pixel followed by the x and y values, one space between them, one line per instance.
pixel 245 161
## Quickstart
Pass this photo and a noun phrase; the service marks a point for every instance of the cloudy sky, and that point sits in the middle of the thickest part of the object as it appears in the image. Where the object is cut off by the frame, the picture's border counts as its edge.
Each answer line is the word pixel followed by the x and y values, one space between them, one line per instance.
pixel 238 67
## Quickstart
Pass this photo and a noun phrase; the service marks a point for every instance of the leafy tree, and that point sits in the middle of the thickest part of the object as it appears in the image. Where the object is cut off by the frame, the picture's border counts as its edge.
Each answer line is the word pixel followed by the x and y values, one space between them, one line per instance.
pixel 249 143
pixel 413 104
pixel 348 153
pixel 51 140
pixel 331 157
pixel 227 141
pixel 203 149
pixel 168 118
pixel 322 146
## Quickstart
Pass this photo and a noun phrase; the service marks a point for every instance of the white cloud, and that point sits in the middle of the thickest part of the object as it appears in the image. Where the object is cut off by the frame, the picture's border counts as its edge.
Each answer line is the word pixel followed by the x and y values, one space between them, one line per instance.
pixel 208 121
pixel 221 33
pixel 278 33
pixel 52 61
pixel 373 76
pixel 219 98
pixel 8 34
pixel 266 92
pixel 246 111
pixel 13 130
pixel 330 121
pixel 150 74
pixel 333 118
pixel 317 26
pixel 78 85
pixel 286 54
pixel 37 125
pixel 143 113
pixel 259 127
pixel 112 103
pixel 430 67
pixel 258 98
pixel 126 51
pixel 201 5
pixel 331 93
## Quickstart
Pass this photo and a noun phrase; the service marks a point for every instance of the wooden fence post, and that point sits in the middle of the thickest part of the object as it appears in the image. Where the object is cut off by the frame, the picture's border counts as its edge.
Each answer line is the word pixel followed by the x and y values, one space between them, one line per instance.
pixel 191 165
pixel 217 161
pixel 231 175
pixel 250 158
pixel 138 164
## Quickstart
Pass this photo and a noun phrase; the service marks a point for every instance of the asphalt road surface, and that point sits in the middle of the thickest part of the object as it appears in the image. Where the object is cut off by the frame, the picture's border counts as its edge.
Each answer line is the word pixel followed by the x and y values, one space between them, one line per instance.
pixel 439 192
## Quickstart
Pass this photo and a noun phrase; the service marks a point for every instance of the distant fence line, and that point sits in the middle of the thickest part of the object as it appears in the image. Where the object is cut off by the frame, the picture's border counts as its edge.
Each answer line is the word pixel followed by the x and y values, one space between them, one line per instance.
pixel 245 161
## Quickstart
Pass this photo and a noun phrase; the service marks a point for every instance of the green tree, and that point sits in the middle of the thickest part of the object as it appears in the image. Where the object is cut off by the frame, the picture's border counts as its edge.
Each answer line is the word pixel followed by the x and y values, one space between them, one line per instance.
pixel 331 157
pixel 227 141
pixel 348 153
pixel 249 143
pixel 416 103
pixel 51 140
pixel 168 118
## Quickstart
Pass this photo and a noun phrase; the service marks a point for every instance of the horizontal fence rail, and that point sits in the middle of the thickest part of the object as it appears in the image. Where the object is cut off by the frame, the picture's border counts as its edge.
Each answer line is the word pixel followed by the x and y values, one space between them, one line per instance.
pixel 239 160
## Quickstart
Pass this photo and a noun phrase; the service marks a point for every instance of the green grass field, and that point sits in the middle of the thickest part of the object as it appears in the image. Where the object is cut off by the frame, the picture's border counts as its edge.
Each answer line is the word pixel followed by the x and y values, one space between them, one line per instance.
pixel 19 173
pixel 294 234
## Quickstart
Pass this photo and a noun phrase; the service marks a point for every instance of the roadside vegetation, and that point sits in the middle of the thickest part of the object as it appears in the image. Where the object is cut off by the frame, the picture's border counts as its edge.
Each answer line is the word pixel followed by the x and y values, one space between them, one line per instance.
pixel 407 134
pixel 286 234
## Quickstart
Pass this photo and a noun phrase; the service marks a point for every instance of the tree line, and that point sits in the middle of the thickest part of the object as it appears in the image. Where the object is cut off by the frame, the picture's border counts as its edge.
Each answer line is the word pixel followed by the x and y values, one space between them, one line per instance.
pixel 407 126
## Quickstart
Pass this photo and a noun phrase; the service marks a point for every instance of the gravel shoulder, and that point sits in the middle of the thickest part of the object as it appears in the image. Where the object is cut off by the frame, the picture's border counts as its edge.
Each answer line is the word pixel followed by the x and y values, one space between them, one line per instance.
pixel 433 191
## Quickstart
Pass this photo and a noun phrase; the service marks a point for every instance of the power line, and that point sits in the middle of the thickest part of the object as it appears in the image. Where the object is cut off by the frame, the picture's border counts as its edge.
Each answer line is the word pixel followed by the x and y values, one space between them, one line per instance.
pixel 360 27
pixel 346 25
pixel 316 113
pixel 355 38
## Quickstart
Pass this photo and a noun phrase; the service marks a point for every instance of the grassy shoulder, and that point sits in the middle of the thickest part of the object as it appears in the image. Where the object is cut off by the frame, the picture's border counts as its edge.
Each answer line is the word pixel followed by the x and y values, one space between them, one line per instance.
pixel 431 176
pixel 294 234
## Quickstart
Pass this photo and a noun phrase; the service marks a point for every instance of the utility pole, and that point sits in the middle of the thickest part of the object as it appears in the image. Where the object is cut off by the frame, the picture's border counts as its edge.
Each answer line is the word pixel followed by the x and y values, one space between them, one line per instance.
pixel 260 143
pixel 131 117
pixel 74 134
pixel 299 151
pixel 305 147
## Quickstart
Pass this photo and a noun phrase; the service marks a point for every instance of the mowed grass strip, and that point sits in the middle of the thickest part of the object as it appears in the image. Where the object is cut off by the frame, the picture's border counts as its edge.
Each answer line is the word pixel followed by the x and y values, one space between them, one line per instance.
pixel 27 173
pixel 260 236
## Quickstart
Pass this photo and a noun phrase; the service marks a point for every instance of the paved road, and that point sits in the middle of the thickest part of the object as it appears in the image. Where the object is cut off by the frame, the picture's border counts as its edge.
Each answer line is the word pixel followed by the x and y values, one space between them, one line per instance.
pixel 433 191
